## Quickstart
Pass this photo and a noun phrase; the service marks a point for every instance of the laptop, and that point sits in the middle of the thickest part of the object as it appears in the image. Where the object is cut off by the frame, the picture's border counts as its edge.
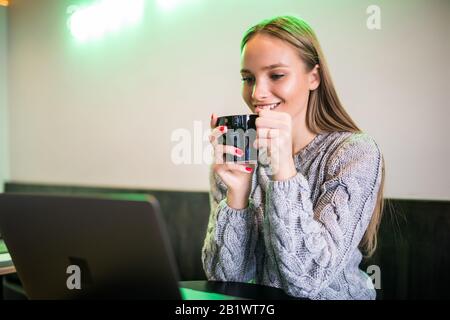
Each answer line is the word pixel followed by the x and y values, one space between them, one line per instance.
pixel 77 247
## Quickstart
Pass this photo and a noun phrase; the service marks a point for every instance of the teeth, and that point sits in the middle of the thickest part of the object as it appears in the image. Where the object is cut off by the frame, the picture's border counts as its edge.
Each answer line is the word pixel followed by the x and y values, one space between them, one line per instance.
pixel 269 106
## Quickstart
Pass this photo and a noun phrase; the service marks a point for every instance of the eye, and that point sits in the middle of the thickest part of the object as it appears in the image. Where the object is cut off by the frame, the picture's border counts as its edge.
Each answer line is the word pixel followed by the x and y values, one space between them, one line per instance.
pixel 276 76
pixel 247 79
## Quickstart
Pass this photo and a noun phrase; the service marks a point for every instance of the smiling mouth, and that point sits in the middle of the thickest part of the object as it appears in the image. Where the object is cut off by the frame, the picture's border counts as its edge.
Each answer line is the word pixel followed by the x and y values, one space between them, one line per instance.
pixel 272 106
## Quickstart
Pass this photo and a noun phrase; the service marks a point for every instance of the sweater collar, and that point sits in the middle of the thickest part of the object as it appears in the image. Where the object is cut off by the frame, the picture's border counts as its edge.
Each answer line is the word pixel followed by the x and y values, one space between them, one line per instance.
pixel 311 149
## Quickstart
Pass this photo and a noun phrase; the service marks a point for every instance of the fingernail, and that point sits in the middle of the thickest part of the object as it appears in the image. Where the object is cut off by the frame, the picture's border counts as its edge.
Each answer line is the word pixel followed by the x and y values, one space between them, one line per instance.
pixel 222 128
pixel 238 152
pixel 248 169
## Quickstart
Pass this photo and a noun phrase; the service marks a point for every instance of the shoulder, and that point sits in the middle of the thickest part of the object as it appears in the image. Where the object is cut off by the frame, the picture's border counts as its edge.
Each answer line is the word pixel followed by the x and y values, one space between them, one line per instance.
pixel 358 150
pixel 354 144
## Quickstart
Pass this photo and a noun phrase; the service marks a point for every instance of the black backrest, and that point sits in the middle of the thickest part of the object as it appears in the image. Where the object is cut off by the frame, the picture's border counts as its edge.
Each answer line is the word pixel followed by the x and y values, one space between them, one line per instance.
pixel 413 252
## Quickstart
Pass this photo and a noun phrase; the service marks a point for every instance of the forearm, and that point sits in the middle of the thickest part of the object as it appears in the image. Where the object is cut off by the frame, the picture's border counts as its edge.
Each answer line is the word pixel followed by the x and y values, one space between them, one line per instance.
pixel 236 200
pixel 304 252
pixel 229 249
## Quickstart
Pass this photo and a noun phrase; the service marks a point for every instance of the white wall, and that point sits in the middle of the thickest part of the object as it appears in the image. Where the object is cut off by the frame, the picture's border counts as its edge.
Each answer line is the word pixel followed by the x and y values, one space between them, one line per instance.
pixel 4 157
pixel 102 113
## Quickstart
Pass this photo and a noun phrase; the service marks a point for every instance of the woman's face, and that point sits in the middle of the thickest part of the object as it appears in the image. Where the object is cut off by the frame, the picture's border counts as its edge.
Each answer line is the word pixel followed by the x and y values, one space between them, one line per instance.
pixel 275 77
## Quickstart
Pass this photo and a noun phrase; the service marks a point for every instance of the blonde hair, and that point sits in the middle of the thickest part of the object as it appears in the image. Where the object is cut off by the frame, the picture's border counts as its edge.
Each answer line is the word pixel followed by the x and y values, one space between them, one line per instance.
pixel 325 112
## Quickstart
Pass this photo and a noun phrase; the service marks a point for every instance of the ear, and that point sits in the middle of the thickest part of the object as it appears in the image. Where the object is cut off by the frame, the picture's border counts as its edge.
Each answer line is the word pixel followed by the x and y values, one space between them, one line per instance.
pixel 314 78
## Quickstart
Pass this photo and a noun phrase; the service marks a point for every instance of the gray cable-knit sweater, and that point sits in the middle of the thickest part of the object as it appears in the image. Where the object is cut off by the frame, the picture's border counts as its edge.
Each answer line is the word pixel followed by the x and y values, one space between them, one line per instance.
pixel 301 234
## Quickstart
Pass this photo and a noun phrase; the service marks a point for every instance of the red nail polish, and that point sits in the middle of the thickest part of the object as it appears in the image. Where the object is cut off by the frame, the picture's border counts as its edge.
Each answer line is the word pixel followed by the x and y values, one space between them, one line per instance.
pixel 248 169
pixel 222 128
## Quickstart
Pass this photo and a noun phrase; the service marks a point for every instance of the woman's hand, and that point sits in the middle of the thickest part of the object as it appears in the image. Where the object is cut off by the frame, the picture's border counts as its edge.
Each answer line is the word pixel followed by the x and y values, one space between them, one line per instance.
pixel 237 177
pixel 274 136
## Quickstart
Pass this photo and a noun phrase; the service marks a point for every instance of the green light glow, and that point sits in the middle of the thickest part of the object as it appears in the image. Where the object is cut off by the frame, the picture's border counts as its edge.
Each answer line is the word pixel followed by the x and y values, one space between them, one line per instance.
pixel 168 4
pixel 190 294
pixel 104 16
pixel 171 5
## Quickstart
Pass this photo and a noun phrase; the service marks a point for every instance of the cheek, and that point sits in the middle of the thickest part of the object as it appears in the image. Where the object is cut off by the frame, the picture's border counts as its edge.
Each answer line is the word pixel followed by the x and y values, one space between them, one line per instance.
pixel 294 91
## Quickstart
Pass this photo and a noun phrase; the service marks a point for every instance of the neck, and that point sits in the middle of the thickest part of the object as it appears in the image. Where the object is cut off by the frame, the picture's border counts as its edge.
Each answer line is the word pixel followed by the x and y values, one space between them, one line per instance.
pixel 301 135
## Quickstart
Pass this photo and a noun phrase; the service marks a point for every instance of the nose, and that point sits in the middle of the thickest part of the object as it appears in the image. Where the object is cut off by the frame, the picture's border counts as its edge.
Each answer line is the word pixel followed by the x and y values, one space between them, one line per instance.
pixel 260 91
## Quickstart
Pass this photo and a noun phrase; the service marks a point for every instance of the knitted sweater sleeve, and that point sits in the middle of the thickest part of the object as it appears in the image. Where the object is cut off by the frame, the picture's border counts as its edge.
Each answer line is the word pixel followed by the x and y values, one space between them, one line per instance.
pixel 228 252
pixel 309 246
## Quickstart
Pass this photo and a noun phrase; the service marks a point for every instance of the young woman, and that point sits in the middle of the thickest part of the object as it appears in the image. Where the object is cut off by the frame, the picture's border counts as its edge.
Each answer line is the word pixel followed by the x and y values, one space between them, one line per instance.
pixel 303 221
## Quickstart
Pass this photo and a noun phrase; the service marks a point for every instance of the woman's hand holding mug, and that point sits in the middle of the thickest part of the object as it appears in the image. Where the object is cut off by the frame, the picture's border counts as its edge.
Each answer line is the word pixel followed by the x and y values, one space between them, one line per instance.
pixel 274 137
pixel 237 177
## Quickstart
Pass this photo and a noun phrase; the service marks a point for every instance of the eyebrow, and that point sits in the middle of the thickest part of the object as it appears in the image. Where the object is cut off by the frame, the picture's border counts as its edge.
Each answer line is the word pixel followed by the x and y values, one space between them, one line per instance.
pixel 272 66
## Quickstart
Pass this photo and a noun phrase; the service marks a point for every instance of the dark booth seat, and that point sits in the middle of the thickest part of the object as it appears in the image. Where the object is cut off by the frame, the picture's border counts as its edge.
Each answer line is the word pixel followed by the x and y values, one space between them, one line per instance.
pixel 413 250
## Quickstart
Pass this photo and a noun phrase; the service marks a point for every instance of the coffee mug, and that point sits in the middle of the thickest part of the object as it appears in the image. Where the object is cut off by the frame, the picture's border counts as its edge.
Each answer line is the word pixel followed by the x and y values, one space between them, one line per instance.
pixel 241 133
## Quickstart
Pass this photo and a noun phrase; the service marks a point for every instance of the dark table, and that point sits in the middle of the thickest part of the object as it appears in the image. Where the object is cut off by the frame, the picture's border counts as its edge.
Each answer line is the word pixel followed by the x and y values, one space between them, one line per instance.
pixel 237 290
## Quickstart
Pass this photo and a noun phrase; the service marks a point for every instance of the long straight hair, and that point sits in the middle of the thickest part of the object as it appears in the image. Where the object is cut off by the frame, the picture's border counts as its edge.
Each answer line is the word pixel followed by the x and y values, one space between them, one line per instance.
pixel 325 112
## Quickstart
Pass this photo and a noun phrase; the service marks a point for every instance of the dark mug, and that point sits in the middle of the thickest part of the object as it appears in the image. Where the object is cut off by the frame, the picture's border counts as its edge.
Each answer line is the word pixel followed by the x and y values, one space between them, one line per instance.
pixel 241 133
